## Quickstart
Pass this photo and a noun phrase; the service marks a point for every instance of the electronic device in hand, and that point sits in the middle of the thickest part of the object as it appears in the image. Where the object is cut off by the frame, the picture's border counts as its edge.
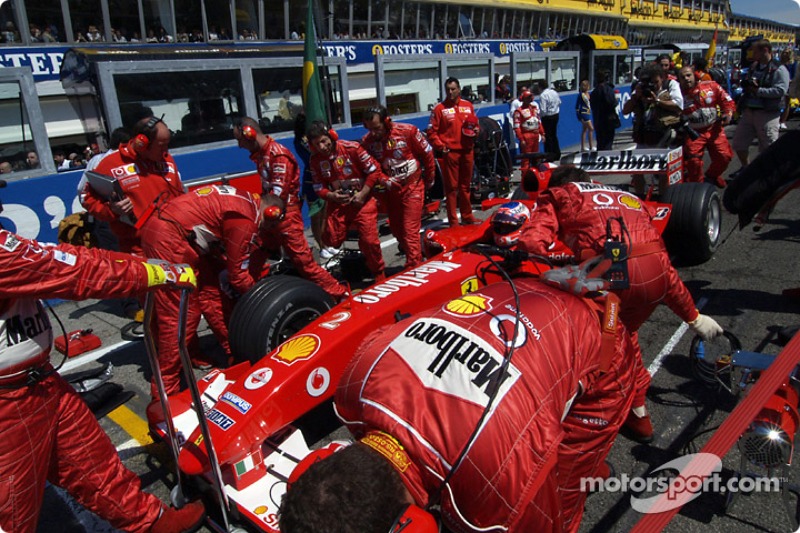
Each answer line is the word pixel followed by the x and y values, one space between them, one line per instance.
pixel 617 273
pixel 109 188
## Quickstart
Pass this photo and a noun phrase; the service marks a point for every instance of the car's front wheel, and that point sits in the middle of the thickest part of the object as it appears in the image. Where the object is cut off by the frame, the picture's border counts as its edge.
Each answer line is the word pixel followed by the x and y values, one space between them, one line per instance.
pixel 694 230
pixel 275 308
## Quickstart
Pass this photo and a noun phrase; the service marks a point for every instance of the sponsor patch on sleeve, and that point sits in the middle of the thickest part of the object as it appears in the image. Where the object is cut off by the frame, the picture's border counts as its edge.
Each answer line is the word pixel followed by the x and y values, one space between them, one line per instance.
pixel 64 257
pixel 8 241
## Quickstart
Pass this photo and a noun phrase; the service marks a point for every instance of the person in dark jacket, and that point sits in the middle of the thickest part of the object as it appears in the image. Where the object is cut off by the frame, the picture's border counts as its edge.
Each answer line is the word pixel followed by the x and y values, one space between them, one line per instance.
pixel 604 111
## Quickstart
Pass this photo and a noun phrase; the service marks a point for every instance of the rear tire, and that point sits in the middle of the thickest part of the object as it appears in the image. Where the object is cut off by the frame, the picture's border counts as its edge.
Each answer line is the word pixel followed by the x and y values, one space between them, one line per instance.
pixel 694 230
pixel 275 308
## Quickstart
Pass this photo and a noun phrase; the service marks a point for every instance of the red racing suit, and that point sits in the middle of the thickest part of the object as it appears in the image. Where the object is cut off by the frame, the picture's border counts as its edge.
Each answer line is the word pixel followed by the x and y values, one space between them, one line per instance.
pixel 407 160
pixel 522 472
pixel 700 108
pixel 577 214
pixel 143 182
pixel 212 229
pixel 528 127
pixel 349 167
pixel 458 159
pixel 49 434
pixel 280 175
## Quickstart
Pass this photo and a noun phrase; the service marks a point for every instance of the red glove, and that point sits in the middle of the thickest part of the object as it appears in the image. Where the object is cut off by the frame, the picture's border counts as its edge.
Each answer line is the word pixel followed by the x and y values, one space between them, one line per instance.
pixel 161 272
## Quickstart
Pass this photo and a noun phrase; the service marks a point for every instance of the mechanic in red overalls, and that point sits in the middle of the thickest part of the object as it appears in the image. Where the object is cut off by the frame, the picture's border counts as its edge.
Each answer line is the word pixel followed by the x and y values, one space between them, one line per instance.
pixel 709 109
pixel 146 173
pixel 416 394
pixel 452 131
pixel 213 229
pixel 577 213
pixel 528 128
pixel 280 177
pixel 48 432
pixel 406 159
pixel 344 175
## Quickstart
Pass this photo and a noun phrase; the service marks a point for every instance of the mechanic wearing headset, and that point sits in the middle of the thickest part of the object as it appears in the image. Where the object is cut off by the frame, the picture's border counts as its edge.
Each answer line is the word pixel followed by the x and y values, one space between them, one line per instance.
pixel 344 175
pixel 406 159
pixel 48 432
pixel 146 173
pixel 452 131
pixel 280 177
pixel 489 414
pixel 212 229
pixel 579 214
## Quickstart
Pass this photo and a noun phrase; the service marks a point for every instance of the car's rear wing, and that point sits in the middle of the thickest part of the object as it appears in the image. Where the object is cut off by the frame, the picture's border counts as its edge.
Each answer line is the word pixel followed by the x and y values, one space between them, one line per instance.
pixel 642 161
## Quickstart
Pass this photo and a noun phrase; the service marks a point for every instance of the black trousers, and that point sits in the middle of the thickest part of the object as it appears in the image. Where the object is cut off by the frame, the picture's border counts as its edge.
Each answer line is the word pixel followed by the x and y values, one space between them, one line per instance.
pixel 551 145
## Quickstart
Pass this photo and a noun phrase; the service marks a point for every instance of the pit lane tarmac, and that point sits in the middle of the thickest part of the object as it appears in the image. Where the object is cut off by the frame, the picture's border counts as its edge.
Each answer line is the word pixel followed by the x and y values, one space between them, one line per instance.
pixel 741 287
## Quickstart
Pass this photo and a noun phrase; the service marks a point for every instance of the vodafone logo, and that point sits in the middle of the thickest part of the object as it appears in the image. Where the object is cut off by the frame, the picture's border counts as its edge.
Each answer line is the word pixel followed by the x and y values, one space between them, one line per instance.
pixel 258 379
pixel 318 381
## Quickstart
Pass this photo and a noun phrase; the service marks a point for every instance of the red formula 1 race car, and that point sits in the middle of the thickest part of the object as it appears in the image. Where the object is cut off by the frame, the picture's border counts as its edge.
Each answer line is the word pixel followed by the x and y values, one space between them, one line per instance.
pixel 261 416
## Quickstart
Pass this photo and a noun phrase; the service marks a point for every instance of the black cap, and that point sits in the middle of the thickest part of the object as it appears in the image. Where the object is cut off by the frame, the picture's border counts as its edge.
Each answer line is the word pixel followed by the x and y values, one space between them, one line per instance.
pixel 2 183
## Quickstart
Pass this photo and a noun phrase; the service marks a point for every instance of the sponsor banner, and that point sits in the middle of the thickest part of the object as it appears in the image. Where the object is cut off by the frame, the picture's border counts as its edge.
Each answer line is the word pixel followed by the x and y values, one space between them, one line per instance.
pixel 44 62
pixel 365 51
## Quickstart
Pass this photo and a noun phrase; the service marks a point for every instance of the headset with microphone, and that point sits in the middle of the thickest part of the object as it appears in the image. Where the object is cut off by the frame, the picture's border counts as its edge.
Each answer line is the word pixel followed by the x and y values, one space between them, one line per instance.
pixel 141 141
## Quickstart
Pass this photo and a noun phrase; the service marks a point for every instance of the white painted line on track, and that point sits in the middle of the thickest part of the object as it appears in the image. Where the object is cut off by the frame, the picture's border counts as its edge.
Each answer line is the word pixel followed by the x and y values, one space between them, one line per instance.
pixel 655 366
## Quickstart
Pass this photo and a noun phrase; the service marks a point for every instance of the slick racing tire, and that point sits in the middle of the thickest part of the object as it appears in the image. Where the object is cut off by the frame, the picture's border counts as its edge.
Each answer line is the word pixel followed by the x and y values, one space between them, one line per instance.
pixel 275 308
pixel 694 230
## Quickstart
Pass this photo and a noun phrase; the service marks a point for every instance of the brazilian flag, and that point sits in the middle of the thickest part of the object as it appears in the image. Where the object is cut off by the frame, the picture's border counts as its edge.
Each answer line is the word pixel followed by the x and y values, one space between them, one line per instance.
pixel 313 98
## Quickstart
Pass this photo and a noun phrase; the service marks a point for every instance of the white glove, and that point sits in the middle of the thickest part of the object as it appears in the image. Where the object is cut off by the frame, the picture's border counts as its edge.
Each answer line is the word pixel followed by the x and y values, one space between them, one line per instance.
pixel 706 327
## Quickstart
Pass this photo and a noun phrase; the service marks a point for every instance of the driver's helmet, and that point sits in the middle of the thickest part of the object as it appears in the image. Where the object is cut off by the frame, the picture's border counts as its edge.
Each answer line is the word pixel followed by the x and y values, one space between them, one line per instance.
pixel 507 223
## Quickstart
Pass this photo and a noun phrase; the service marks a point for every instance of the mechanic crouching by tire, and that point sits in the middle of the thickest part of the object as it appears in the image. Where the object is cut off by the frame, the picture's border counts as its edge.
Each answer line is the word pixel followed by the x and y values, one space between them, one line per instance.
pixel 213 229
pixel 406 159
pixel 584 216
pixel 492 417
pixel 701 101
pixel 344 175
pixel 280 177
pixel 48 432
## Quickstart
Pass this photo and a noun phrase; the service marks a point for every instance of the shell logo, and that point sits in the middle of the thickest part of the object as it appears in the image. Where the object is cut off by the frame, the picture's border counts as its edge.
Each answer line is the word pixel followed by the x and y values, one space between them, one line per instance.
pixel 448 48
pixel 297 349
pixel 468 305
pixel 377 50
pixel 204 191
pixel 630 201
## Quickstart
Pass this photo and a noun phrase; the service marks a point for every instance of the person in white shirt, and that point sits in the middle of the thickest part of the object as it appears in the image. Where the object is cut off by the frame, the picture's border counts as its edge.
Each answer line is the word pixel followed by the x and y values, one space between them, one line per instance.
pixel 549 108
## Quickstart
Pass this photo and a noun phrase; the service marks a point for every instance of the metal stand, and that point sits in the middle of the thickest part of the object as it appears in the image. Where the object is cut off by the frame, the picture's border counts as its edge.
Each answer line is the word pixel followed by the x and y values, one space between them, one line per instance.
pixel 197 404
pixel 785 488
pixel 176 495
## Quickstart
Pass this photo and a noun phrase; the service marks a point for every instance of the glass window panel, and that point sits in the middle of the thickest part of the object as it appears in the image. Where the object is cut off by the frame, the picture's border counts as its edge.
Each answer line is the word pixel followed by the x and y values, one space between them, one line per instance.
pixel 410 20
pixel 530 71
pixel 87 20
pixel 125 20
pixel 45 14
pixel 378 28
pixel 9 25
pixel 246 20
pixel 602 62
pixel 158 21
pixel 218 15
pixel 425 21
pixel 15 132
pixel 564 74
pixel 395 14
pixel 412 87
pixel 341 19
pixel 332 85
pixel 360 19
pixel 298 13
pixel 279 92
pixel 273 12
pixel 199 107
pixel 624 70
pixel 474 79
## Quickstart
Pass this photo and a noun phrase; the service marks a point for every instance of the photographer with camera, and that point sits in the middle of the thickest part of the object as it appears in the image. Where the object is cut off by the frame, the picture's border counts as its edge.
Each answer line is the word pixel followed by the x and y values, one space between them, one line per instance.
pixel 656 115
pixel 765 85
pixel 708 109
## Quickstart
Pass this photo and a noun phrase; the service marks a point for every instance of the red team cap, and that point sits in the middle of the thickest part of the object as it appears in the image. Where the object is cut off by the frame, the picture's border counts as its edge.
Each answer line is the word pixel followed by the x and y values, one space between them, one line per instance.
pixel 469 128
